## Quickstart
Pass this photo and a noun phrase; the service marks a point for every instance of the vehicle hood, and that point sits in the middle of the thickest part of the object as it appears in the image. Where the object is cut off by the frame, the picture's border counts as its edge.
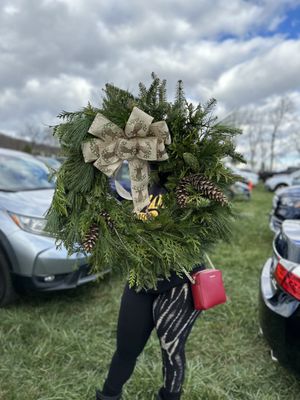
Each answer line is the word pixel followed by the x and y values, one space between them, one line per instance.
pixel 33 203
pixel 279 177
pixel 291 191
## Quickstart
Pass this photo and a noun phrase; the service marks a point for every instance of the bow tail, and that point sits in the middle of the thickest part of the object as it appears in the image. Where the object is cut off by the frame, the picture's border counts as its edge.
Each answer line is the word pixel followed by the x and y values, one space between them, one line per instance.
pixel 139 176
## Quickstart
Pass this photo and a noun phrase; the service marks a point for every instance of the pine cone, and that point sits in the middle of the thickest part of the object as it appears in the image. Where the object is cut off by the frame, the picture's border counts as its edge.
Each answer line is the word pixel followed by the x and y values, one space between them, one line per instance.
pixel 181 195
pixel 203 185
pixel 91 237
pixel 93 233
pixel 107 219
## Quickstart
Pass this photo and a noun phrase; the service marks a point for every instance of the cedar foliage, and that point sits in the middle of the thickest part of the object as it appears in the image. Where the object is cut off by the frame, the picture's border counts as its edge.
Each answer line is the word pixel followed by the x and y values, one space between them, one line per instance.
pixel 177 237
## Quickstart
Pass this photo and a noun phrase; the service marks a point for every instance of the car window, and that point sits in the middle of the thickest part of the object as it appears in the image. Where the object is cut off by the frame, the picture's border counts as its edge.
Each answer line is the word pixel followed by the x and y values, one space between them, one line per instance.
pixel 23 173
pixel 52 162
pixel 296 181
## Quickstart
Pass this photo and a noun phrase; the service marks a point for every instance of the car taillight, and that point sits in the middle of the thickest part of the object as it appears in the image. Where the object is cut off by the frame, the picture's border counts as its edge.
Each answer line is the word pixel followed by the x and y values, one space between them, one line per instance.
pixel 287 280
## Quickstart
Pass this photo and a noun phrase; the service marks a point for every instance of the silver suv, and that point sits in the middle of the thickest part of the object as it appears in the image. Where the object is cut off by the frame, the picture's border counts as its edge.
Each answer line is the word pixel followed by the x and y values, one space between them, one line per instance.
pixel 28 256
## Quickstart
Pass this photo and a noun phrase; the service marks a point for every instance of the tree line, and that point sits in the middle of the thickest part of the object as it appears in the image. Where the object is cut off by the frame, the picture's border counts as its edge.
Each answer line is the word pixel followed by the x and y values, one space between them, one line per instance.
pixel 269 132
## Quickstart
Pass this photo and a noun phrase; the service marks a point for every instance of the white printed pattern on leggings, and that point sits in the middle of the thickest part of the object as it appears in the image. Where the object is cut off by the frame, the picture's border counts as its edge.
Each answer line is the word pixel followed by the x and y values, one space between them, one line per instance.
pixel 174 315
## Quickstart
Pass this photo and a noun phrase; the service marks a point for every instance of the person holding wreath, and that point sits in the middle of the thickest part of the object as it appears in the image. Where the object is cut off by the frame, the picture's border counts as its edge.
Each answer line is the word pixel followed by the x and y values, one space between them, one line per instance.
pixel 169 309
pixel 178 210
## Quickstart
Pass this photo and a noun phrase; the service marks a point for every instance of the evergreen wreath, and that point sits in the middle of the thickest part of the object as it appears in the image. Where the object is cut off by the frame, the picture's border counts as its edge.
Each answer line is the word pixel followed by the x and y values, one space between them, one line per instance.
pixel 85 215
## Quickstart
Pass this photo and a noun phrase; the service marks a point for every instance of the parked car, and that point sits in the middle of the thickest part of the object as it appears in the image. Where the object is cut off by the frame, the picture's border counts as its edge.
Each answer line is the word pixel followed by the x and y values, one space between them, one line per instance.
pixel 296 180
pixel 51 161
pixel 264 175
pixel 248 176
pixel 28 255
pixel 279 297
pixel 282 180
pixel 285 205
pixel 240 190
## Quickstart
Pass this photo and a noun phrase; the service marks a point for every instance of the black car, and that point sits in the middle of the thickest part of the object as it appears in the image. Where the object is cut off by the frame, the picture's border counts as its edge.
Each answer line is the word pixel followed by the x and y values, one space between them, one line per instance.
pixel 286 205
pixel 279 297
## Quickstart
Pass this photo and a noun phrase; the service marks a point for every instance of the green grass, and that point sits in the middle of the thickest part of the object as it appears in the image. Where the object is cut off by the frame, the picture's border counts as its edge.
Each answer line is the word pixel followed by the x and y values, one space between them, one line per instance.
pixel 59 346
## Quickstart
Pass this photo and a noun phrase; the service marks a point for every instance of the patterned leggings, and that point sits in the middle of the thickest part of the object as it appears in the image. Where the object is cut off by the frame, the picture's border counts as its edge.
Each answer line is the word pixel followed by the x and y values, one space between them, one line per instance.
pixel 172 314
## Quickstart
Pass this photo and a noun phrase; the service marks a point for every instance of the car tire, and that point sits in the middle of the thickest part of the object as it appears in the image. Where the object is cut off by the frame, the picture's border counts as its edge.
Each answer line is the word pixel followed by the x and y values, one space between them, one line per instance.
pixel 7 292
pixel 280 186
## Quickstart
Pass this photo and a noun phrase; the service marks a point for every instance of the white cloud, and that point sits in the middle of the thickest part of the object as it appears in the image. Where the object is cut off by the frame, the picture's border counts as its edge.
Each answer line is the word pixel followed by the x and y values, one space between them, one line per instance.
pixel 37 100
pixel 275 71
pixel 10 9
pixel 58 54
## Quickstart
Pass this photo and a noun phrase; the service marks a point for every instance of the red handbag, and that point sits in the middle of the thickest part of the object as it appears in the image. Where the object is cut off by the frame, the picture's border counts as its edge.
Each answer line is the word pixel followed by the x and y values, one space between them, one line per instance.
pixel 207 288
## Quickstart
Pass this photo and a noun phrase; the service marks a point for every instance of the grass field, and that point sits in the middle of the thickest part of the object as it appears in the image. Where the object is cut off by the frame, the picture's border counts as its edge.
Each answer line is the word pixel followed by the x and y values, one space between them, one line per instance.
pixel 58 347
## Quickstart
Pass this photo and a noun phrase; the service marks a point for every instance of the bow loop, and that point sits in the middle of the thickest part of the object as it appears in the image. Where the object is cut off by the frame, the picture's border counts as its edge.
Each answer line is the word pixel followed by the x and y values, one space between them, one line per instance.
pixel 138 123
pixel 104 129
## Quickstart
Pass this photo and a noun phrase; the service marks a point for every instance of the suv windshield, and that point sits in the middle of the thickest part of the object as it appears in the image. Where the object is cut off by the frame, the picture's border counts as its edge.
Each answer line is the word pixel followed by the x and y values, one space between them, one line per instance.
pixel 17 173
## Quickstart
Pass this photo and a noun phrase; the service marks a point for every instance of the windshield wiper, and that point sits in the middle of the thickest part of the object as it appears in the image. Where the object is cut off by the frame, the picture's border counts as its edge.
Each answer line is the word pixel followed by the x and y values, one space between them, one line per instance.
pixel 35 188
pixel 24 189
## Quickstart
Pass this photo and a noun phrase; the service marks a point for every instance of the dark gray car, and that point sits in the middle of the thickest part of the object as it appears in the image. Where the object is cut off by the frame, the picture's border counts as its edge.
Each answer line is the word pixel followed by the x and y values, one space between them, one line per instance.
pixel 279 296
pixel 286 205
pixel 28 256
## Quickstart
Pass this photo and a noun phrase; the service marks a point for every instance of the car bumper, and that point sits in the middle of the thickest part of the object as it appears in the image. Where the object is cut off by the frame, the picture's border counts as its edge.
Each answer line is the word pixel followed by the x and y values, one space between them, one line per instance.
pixel 59 282
pixel 36 255
pixel 38 264
pixel 280 322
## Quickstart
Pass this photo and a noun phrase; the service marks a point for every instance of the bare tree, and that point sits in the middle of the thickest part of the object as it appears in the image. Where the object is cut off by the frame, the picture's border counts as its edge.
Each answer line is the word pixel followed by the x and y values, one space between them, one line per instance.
pixel 296 140
pixel 277 117
pixel 295 134
pixel 252 123
pixel 262 129
pixel 38 134
pixel 254 134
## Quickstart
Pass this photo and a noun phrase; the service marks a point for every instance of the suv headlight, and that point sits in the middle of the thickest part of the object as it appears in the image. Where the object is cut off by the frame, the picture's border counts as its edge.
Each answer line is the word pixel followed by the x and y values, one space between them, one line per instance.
pixel 29 224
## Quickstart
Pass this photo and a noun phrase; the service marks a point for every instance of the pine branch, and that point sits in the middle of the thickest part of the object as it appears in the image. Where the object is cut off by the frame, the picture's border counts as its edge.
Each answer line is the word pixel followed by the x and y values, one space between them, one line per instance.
pixel 180 100
pixel 177 237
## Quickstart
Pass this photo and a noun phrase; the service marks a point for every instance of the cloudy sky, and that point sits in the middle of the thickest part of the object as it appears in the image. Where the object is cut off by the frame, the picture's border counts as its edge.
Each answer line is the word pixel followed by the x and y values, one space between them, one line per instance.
pixel 58 54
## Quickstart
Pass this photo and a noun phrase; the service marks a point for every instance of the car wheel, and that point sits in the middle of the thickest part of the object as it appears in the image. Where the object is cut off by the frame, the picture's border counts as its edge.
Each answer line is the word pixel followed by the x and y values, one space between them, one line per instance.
pixel 7 291
pixel 280 186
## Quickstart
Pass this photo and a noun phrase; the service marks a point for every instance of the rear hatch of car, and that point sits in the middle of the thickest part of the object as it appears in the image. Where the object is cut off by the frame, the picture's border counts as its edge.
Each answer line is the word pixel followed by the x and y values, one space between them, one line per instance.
pixel 286 260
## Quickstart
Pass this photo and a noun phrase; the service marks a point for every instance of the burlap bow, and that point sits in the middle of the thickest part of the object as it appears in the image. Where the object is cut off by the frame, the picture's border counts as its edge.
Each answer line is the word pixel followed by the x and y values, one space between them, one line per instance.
pixel 140 142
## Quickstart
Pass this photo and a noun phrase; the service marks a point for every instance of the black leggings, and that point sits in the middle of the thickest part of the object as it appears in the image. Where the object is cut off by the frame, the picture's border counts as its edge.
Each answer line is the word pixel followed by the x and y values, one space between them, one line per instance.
pixel 172 314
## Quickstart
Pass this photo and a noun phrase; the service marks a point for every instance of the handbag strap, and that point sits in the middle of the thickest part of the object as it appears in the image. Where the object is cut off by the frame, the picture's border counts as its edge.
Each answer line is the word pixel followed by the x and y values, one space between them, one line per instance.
pixel 189 276
pixel 209 261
